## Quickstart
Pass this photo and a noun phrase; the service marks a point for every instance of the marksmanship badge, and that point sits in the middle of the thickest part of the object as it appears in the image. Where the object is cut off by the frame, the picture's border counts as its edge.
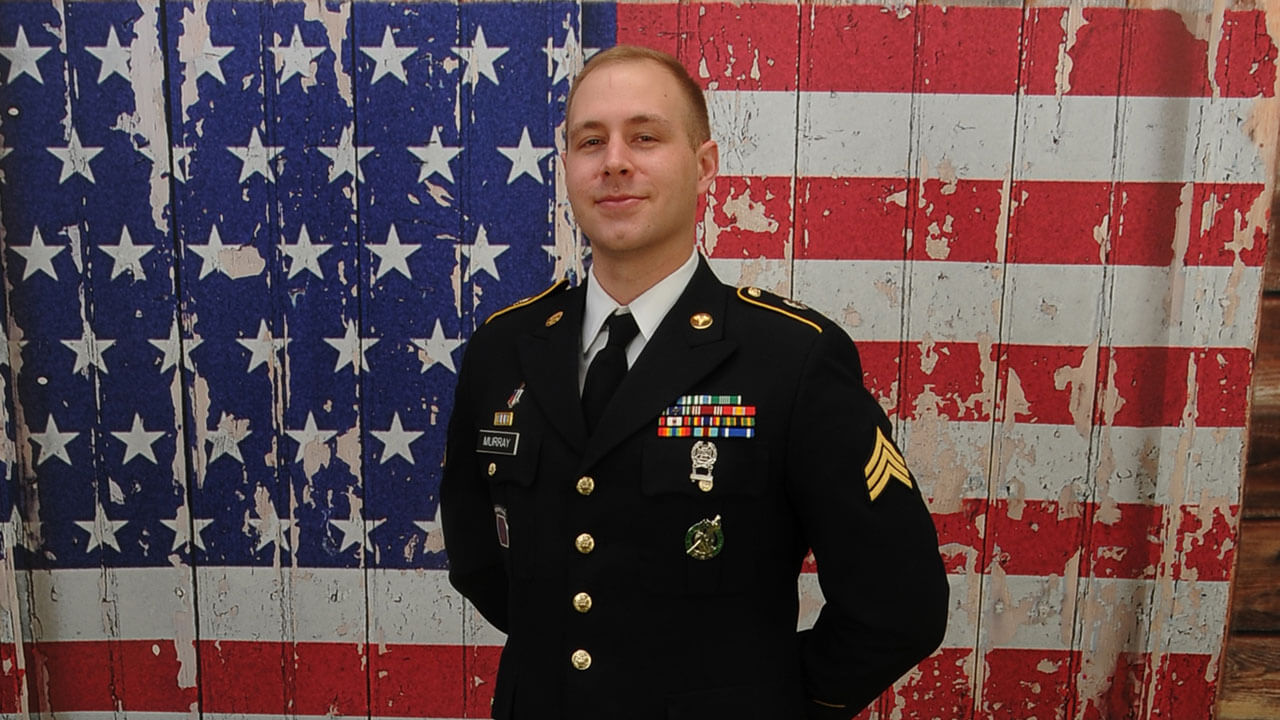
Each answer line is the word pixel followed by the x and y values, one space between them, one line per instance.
pixel 703 455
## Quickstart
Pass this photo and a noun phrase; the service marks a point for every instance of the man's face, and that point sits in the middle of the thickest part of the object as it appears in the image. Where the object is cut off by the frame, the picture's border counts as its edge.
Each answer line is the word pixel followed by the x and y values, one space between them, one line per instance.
pixel 633 173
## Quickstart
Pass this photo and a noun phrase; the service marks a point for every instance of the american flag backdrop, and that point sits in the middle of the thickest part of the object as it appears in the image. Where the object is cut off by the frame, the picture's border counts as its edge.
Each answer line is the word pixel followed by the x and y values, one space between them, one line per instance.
pixel 244 243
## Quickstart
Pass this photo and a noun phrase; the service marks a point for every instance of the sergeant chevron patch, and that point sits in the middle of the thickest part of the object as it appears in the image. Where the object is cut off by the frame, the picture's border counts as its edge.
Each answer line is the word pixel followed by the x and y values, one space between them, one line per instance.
pixel 886 463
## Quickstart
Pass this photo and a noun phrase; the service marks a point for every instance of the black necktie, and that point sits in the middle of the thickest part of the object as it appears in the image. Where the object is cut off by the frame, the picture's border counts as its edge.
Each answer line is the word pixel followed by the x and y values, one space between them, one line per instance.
pixel 608 367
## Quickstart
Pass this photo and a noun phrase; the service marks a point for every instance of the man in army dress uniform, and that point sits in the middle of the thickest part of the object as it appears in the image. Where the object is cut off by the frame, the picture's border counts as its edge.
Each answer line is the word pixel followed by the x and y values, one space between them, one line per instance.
pixel 638 466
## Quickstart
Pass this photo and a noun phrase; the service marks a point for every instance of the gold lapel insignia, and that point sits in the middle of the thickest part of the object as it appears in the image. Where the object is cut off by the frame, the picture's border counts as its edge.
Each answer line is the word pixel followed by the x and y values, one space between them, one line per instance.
pixel 555 318
pixel 704 539
pixel 701 321
pixel 886 463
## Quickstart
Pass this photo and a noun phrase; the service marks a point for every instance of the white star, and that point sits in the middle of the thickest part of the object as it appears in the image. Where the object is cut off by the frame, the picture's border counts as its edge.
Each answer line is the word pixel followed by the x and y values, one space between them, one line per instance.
pixel 226 439
pixel 255 158
pixel 308 435
pixel 479 59
pixel 126 256
pixel 75 159
pixel 38 257
pixel 102 530
pixel 211 254
pixel 53 442
pixel 524 158
pixel 272 529
pixel 388 58
pixel 354 527
pixel 305 255
pixel 482 255
pixel 14 531
pixel 392 255
pixel 23 58
pixel 113 57
pixel 295 58
pixel 88 349
pixel 565 60
pixel 435 157
pixel 262 347
pixel 138 441
pixel 395 440
pixel 181 163
pixel 345 157
pixel 205 60
pixel 427 526
pixel 179 525
pixel 349 346
pixel 170 347
pixel 437 349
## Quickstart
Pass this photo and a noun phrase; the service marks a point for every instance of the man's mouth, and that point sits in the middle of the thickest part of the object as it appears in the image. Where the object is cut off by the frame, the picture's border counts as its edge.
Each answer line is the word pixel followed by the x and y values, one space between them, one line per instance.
pixel 618 201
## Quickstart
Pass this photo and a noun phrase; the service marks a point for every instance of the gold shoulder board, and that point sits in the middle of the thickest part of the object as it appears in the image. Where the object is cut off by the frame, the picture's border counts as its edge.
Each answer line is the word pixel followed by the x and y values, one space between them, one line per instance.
pixel 756 296
pixel 560 284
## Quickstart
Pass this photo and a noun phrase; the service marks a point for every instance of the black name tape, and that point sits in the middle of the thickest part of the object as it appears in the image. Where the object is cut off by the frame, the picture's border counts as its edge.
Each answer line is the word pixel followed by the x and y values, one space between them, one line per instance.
pixel 498 442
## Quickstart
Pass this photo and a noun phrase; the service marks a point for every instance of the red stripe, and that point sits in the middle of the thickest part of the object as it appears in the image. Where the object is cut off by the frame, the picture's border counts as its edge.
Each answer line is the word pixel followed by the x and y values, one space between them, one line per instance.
pixel 989 50
pixel 751 217
pixel 1145 386
pixel 1120 540
pixel 137 675
pixel 1050 222
pixel 11 679
pixel 263 678
pixel 1040 683
pixel 453 681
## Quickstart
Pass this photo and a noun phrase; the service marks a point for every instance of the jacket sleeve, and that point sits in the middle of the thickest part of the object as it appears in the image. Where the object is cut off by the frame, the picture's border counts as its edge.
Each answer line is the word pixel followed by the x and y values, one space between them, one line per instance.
pixel 871 533
pixel 476 567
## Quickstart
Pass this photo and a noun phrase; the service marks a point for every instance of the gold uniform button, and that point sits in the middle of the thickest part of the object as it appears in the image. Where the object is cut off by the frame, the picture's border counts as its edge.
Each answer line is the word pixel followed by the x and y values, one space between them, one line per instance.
pixel 493 468
pixel 754 292
pixel 585 543
pixel 582 602
pixel 586 485
pixel 581 659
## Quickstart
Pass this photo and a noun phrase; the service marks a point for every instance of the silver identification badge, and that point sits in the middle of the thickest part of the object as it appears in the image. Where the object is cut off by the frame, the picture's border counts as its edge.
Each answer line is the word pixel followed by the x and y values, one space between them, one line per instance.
pixel 703 455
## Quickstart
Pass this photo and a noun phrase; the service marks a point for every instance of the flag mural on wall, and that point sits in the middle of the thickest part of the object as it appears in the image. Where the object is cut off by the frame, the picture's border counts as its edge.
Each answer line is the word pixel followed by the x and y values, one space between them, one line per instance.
pixel 243 245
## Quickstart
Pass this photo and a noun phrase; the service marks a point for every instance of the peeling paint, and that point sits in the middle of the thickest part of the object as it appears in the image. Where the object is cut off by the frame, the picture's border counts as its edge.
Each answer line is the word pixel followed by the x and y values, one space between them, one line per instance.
pixel 1082 380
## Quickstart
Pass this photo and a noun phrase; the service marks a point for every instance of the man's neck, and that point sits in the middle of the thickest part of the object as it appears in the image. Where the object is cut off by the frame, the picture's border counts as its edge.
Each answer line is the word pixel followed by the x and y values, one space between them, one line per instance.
pixel 626 277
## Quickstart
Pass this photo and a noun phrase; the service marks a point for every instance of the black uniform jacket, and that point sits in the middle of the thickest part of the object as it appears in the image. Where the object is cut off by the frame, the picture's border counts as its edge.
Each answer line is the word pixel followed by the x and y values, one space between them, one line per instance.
pixel 598 572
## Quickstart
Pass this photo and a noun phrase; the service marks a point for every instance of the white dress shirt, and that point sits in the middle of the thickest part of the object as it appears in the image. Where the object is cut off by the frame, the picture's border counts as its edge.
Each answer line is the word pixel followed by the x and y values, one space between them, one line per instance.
pixel 648 309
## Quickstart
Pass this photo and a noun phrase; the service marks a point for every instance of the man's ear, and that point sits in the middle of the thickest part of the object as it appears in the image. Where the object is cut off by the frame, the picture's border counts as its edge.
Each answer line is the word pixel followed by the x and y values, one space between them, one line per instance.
pixel 708 157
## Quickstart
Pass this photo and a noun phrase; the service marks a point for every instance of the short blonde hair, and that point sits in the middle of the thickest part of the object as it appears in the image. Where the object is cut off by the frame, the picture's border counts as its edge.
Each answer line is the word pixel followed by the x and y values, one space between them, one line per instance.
pixel 699 124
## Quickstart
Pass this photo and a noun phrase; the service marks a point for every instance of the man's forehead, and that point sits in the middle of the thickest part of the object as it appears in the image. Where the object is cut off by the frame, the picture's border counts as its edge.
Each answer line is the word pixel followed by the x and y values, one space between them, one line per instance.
pixel 599 83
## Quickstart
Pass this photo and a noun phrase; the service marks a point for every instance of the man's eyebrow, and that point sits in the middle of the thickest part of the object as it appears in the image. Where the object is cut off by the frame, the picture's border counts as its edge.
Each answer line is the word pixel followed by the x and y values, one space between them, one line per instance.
pixel 633 120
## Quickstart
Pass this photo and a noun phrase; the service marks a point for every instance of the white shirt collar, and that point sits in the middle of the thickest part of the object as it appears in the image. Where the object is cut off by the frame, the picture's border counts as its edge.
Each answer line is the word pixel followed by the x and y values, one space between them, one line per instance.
pixel 649 308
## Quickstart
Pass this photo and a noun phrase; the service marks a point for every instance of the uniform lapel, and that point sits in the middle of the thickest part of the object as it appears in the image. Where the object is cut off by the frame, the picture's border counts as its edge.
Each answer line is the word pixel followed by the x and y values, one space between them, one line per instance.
pixel 549 358
pixel 676 357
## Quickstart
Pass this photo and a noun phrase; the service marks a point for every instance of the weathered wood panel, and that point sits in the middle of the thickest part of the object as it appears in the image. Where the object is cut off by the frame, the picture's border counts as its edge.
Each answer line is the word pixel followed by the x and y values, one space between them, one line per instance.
pixel 1256 662
pixel 244 243
pixel 1255 599
pixel 1262 478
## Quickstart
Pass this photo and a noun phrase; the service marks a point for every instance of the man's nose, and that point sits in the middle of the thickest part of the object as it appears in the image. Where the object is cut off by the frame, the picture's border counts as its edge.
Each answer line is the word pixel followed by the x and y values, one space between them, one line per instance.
pixel 617 158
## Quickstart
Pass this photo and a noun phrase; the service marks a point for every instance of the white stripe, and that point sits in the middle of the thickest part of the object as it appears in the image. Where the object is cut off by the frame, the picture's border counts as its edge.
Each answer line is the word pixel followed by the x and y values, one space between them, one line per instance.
pixel 251 603
pixel 1035 613
pixel 1069 138
pixel 1129 465
pixel 1196 605
pixel 1029 612
pixel 1059 305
